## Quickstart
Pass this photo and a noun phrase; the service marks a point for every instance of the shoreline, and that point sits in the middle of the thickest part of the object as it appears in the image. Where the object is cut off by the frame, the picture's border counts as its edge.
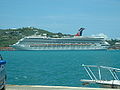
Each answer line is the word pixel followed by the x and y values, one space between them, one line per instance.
pixel 6 49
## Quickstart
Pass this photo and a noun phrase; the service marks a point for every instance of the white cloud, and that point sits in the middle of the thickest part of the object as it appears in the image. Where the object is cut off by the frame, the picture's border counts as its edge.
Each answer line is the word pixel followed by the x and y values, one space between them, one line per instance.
pixel 101 35
pixel 118 38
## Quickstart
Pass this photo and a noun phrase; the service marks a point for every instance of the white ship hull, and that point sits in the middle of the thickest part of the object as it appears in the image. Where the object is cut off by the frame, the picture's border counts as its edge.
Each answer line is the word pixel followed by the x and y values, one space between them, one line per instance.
pixel 59 48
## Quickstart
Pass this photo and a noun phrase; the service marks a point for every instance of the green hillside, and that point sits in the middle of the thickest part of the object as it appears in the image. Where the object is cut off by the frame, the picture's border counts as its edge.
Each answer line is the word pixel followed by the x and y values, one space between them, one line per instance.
pixel 11 36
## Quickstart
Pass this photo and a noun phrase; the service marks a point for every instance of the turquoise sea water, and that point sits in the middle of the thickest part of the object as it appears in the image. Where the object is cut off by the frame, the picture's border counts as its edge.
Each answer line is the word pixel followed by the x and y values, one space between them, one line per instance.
pixel 56 68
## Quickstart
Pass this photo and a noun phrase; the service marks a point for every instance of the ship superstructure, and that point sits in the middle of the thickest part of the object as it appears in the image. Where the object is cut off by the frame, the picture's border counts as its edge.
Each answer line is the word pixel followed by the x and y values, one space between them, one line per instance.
pixel 77 42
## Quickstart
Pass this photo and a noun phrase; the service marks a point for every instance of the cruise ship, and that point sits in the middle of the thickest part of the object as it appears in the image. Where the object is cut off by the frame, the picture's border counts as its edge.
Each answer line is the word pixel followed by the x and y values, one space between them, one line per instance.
pixel 76 42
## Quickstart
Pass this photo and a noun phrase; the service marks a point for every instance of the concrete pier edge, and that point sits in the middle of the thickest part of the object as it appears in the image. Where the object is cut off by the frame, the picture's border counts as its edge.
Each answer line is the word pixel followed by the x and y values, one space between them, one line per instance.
pixel 53 87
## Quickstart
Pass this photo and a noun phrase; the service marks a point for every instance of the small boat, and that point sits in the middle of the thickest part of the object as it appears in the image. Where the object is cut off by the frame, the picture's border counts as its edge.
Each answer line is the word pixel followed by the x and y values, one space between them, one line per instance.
pixel 96 76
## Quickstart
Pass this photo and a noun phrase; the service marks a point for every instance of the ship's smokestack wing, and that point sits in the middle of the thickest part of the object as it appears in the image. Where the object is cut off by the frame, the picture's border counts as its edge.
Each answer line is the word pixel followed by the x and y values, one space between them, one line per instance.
pixel 80 32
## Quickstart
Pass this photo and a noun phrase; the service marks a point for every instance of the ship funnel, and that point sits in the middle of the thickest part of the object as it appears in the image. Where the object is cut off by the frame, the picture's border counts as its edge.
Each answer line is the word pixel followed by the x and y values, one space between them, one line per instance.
pixel 80 32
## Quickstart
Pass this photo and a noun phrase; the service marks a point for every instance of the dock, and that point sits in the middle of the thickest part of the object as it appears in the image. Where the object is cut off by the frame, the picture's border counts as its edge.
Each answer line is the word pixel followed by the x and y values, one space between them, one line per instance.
pixel 37 87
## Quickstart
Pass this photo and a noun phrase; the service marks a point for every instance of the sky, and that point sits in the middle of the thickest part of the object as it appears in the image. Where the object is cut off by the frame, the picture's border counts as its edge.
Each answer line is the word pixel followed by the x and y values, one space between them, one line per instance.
pixel 65 16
